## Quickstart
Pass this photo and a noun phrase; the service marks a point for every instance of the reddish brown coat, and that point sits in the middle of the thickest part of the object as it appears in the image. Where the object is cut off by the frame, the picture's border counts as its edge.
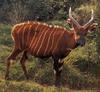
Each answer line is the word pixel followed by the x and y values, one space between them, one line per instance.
pixel 42 40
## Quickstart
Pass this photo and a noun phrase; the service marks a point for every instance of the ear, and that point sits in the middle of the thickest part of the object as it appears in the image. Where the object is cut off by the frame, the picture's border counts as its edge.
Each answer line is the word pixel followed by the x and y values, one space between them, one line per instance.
pixel 92 27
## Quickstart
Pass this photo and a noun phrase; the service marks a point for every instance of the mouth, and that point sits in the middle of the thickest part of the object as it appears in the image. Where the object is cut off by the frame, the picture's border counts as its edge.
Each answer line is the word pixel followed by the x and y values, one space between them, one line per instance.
pixel 79 44
pixel 82 45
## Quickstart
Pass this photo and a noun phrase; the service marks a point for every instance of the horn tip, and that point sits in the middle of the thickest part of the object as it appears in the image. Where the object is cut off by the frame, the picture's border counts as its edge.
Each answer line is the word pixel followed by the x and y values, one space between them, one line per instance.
pixel 70 11
pixel 70 8
pixel 92 11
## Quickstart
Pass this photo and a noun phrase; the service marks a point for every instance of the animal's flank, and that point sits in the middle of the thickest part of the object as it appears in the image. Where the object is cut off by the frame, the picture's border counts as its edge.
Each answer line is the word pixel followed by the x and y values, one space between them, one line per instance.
pixel 40 39
pixel 57 43
pixel 48 42
pixel 43 39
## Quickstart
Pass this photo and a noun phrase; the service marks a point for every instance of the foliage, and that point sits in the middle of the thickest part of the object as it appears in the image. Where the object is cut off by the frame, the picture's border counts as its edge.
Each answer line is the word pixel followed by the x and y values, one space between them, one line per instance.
pixel 98 28
pixel 13 86
pixel 14 11
pixel 4 31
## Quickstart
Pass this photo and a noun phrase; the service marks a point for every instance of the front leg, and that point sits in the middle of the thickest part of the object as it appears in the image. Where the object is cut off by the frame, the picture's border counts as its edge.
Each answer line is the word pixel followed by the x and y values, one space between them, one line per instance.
pixel 67 51
pixel 58 65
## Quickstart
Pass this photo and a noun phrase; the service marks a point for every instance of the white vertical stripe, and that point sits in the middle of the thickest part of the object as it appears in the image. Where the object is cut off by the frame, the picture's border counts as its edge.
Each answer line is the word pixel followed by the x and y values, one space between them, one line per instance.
pixel 52 44
pixel 31 44
pixel 48 41
pixel 23 40
pixel 45 31
pixel 18 34
pixel 28 35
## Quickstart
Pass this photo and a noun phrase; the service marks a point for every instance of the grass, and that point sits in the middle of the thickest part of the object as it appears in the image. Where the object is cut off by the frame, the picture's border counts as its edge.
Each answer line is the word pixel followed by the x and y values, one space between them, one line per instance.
pixel 29 86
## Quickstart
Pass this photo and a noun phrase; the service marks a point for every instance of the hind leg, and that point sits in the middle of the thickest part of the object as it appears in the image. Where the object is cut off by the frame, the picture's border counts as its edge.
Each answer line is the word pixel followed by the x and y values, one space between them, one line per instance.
pixel 9 61
pixel 22 61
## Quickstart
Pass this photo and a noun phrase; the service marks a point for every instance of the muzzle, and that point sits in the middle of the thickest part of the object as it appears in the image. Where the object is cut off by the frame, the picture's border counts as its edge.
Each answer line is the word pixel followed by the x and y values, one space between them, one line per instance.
pixel 80 42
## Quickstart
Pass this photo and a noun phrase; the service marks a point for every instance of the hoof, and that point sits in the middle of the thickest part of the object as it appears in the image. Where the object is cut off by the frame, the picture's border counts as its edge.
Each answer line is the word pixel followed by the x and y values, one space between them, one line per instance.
pixel 57 84
pixel 26 76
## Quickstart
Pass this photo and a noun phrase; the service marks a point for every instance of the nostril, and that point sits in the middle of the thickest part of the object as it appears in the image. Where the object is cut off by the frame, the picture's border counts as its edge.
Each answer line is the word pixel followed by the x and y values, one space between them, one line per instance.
pixel 80 43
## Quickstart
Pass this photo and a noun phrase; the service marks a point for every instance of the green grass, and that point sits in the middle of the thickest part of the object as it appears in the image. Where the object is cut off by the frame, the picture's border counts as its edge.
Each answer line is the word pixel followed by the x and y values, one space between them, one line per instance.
pixel 29 86
pixel 5 38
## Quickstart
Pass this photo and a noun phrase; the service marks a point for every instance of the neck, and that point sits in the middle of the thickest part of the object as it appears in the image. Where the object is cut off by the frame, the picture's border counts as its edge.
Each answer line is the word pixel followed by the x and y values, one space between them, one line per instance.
pixel 71 42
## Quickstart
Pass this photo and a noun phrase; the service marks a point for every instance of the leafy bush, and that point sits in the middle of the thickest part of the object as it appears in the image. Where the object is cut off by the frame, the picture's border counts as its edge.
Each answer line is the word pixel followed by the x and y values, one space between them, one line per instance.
pixel 5 38
pixel 98 28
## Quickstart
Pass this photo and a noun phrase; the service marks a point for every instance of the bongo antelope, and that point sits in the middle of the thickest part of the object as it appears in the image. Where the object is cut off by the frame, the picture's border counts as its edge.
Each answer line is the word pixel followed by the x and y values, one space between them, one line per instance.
pixel 43 41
